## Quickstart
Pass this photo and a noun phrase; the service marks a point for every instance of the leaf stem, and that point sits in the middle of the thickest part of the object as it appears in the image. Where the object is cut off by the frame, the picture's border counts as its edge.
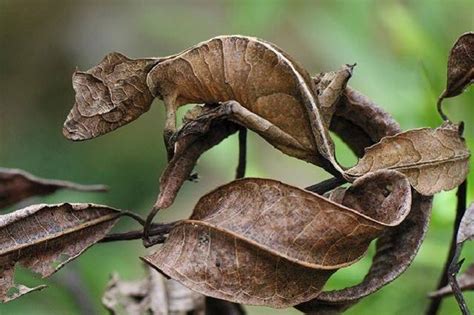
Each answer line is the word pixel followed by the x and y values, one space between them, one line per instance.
pixel 326 185
pixel 240 172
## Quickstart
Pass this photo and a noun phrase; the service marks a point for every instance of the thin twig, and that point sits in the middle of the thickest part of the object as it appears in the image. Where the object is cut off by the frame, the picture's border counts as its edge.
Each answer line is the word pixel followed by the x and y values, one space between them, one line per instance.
pixel 452 272
pixel 439 106
pixel 240 172
pixel 443 280
pixel 326 185
pixel 157 230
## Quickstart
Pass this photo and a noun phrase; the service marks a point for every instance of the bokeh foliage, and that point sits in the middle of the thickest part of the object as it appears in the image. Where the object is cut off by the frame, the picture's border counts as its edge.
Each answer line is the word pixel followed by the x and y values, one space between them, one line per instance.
pixel 401 50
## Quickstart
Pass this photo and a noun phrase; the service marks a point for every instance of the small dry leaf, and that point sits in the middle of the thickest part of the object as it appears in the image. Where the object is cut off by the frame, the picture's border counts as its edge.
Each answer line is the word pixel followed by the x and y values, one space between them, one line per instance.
pixel 259 241
pixel 466 227
pixel 465 281
pixel 43 238
pixel 16 185
pixel 108 96
pixel 460 66
pixel 330 87
pixel 432 159
pixel 154 295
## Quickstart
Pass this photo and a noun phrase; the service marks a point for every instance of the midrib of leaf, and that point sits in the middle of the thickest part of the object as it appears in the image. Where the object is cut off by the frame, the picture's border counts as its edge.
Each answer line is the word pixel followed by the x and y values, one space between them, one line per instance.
pixel 269 250
pixel 72 230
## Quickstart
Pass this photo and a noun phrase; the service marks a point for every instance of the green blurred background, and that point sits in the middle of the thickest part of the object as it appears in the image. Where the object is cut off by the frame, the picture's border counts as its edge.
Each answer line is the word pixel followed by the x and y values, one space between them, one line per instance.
pixel 400 47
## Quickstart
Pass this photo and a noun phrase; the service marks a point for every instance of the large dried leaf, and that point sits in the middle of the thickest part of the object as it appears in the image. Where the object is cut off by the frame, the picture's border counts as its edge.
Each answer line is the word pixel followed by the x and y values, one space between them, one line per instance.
pixel 153 295
pixel 466 227
pixel 432 159
pixel 465 282
pixel 395 251
pixel 43 238
pixel 259 241
pixel 16 185
pixel 108 96
pixel 257 75
pixel 460 66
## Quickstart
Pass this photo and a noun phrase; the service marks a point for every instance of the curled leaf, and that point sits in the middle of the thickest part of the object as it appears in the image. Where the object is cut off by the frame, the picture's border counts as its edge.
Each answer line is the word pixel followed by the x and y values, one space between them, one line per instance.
pixel 43 238
pixel 460 66
pixel 330 86
pixel 395 251
pixel 397 247
pixel 254 73
pixel 259 241
pixel 108 96
pixel 432 159
pixel 16 185
pixel 465 281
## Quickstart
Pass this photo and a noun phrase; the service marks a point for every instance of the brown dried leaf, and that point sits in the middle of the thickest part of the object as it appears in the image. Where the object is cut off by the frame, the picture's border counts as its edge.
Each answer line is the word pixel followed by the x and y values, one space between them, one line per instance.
pixel 108 96
pixel 16 185
pixel 460 66
pixel 432 159
pixel 259 241
pixel 395 251
pixel 364 114
pixel 257 75
pixel 397 247
pixel 465 281
pixel 330 87
pixel 153 295
pixel 43 238
pixel 466 227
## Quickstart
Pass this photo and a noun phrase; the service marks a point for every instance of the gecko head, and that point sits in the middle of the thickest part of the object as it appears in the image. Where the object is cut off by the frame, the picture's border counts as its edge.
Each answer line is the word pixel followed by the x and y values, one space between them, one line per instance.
pixel 108 96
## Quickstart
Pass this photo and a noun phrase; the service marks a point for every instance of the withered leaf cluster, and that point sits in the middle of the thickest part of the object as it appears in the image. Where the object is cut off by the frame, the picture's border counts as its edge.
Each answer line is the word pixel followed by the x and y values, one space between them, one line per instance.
pixel 258 241
pixel 254 241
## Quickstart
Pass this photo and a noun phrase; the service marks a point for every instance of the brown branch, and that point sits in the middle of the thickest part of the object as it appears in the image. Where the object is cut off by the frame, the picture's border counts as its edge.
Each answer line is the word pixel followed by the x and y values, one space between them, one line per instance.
pixel 452 272
pixel 158 231
pixel 326 185
pixel 240 172
pixel 443 280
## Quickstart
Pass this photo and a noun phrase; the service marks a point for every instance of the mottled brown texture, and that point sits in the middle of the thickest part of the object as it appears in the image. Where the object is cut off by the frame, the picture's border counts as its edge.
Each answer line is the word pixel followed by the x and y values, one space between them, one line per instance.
pixel 43 238
pixel 108 96
pixel 460 73
pixel 17 185
pixel 433 159
pixel 466 228
pixel 153 295
pixel 259 241
pixel 254 73
pixel 460 65
pixel 465 281
pixel 397 247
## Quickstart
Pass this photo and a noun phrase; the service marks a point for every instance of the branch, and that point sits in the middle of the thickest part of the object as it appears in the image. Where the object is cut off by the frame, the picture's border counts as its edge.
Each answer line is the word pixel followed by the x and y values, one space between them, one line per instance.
pixel 452 272
pixel 443 281
pixel 158 231
pixel 326 185
pixel 240 172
